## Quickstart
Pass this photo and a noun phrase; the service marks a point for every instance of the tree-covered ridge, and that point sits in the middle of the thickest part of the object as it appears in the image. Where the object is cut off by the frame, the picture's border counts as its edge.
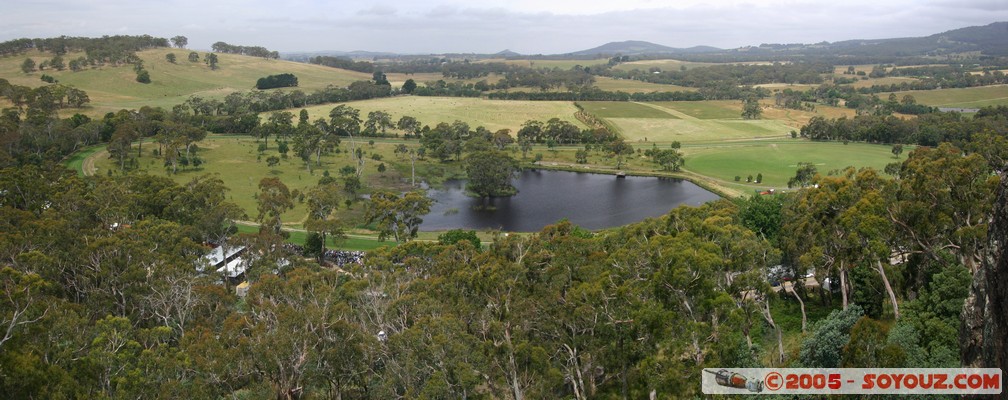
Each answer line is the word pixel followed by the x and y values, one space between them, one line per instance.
pixel 106 49
pixel 253 51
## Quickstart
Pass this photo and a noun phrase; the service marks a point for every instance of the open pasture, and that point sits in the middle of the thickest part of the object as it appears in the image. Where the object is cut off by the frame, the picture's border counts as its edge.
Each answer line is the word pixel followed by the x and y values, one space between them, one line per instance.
pixel 664 65
pixel 976 97
pixel 693 130
pixel 717 109
pixel 114 88
pixel 778 160
pixel 623 109
pixel 635 86
pixel 491 114
pixel 537 64
pixel 235 160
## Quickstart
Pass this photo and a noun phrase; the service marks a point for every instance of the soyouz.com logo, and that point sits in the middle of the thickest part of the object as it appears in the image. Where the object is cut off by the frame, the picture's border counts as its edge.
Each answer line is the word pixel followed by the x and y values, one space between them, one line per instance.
pixel 852 381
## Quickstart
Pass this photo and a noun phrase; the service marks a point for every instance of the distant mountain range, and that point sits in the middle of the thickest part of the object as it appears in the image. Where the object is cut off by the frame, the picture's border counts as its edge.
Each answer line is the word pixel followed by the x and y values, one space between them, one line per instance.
pixel 991 40
pixel 639 47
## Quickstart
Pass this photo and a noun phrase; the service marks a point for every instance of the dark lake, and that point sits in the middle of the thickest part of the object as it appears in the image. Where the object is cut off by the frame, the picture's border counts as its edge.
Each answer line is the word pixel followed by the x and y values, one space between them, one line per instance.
pixel 592 201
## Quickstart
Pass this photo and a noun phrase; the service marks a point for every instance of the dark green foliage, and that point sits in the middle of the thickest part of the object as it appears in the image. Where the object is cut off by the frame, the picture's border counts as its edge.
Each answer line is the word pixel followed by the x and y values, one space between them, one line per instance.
pixel 868 347
pixel 409 86
pixel 28 66
pixel 143 76
pixel 211 60
pixel 344 63
pixel 803 176
pixel 313 245
pixel 455 236
pixel 868 291
pixel 751 108
pixel 762 214
pixel 824 346
pixel 253 51
pixel 48 78
pixel 277 81
pixel 490 174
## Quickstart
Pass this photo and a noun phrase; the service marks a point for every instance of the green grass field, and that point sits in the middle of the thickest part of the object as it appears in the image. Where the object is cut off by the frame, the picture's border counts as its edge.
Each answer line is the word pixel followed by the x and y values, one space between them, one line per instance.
pixel 722 109
pixel 777 160
pixel 234 160
pixel 562 64
pixel 115 88
pixel 977 97
pixel 492 114
pixel 664 65
pixel 634 86
pixel 688 131
pixel 622 109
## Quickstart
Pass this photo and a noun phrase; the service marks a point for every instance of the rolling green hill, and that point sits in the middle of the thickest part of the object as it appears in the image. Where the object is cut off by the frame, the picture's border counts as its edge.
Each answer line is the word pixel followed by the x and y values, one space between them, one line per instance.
pixel 114 88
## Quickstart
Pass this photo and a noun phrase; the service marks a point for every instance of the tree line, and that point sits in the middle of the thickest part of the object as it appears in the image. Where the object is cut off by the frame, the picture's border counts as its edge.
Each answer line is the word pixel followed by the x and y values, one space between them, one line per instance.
pixel 253 51
pixel 98 51
pixel 277 81
pixel 983 133
pixel 736 74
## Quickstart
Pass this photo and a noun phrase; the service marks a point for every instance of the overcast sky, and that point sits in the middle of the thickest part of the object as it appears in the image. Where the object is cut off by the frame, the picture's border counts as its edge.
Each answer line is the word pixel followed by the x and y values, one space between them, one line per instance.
pixel 524 26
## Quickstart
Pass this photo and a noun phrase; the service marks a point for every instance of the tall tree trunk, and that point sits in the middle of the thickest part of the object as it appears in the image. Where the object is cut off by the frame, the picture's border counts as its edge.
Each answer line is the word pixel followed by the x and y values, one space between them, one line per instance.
pixel 983 334
pixel 843 284
pixel 412 159
pixel 888 288
pixel 804 319
pixel 780 337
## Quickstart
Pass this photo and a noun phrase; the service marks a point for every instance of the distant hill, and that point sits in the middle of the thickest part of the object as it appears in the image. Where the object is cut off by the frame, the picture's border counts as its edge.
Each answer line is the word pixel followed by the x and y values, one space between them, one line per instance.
pixel 991 40
pixel 639 47
pixel 303 56
pixel 507 53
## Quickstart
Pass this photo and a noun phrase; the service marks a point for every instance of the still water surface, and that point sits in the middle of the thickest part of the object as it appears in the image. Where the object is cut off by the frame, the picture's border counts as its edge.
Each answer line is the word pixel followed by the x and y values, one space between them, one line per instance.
pixel 593 201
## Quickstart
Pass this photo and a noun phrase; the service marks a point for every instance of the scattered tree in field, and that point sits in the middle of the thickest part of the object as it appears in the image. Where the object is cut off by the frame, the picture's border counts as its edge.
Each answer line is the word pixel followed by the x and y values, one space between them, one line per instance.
pixel 803 176
pixel 669 160
pixel 57 63
pixel 272 161
pixel 581 156
pixel 193 56
pixel 274 199
pixel 409 125
pixel 620 149
pixel 283 148
pixel 143 76
pixel 759 177
pixel 525 145
pixel 897 149
pixel 751 108
pixel 377 122
pixel 210 59
pixel 28 66
pixel 277 81
pixel 323 201
pixel 409 86
pixel 180 41
pixel 170 57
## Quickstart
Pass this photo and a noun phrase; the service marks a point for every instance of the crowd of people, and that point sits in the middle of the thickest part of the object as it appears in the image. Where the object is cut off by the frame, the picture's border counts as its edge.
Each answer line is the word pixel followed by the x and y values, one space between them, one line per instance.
pixel 338 257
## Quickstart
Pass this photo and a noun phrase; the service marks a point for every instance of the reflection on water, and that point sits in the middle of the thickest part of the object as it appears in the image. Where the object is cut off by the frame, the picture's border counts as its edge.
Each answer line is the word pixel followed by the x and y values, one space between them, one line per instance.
pixel 593 201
